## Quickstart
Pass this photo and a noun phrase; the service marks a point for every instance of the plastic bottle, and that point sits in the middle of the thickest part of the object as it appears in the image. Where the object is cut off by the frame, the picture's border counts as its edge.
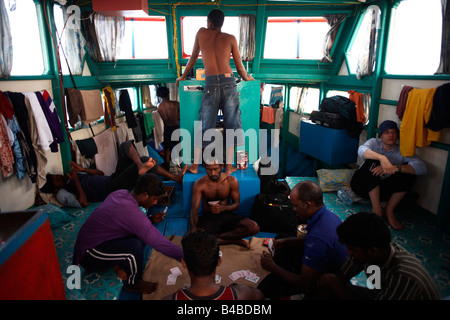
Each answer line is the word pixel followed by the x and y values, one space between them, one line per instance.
pixel 345 197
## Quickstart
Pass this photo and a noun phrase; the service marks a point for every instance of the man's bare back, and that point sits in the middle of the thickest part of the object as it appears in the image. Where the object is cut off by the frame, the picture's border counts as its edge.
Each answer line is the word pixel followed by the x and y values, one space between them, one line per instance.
pixel 216 48
pixel 169 112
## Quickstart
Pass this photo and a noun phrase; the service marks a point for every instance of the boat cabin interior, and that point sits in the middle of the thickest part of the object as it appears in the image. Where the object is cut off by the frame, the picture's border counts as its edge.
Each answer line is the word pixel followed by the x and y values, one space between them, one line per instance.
pixel 89 72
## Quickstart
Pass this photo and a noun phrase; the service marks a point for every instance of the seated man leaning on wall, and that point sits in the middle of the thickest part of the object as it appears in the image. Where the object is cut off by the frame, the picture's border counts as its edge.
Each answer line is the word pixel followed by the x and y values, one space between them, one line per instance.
pixel 385 174
pixel 82 186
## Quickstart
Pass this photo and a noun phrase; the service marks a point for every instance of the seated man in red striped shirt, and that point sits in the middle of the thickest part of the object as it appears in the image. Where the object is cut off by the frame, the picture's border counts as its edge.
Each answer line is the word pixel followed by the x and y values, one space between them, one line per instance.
pixel 201 258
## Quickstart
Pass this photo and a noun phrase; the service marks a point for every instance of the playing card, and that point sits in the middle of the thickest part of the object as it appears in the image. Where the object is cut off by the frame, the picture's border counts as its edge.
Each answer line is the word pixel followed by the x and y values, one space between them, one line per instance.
pixel 218 278
pixel 234 276
pixel 176 271
pixel 270 245
pixel 171 280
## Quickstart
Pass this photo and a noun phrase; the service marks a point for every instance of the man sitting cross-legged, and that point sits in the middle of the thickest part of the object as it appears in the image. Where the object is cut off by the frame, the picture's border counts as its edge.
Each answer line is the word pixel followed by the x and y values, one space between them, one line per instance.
pixel 220 194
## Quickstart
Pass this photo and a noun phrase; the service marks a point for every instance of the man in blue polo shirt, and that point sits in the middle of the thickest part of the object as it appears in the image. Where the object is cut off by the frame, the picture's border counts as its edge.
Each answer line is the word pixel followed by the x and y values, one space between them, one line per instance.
pixel 299 261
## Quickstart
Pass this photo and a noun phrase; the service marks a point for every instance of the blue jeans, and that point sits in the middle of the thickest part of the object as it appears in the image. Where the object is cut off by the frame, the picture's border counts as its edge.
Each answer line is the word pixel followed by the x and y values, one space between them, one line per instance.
pixel 220 92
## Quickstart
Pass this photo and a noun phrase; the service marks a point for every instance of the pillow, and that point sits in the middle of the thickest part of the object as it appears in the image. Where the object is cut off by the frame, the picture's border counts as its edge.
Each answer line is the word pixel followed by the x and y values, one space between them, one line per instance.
pixel 332 179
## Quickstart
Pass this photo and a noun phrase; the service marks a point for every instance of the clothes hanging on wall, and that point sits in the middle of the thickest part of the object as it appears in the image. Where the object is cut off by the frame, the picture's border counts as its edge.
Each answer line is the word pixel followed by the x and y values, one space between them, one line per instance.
pixel 30 126
pixel 6 154
pixel 50 113
pixel 440 112
pixel 417 113
pixel 106 158
pixel 401 104
pixel 87 147
pixel 23 119
pixel 44 137
pixel 92 105
pixel 125 106
pixel 110 110
pixel 356 97
pixel 158 130
pixel 74 104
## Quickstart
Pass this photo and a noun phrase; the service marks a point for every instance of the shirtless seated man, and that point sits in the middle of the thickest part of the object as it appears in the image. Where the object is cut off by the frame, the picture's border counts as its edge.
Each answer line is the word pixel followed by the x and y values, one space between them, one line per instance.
pixel 220 194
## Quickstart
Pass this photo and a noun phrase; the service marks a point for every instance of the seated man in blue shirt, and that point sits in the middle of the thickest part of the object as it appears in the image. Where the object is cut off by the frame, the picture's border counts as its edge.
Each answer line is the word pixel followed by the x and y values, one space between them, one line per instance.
pixel 385 174
pixel 299 261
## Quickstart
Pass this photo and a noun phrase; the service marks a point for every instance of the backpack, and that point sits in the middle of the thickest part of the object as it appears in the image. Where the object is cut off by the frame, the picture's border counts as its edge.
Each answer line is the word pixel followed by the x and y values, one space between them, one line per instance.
pixel 269 183
pixel 347 109
pixel 273 213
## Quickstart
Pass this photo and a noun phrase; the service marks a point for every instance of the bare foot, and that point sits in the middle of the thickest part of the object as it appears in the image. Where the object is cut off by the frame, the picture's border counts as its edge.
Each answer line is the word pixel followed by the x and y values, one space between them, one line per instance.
pixel 230 169
pixel 144 287
pixel 146 166
pixel 193 168
pixel 240 242
pixel 120 273
pixel 179 178
pixel 393 222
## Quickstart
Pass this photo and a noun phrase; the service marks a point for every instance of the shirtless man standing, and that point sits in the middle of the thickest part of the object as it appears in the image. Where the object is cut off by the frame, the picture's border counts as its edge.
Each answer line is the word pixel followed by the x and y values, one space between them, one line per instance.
pixel 220 194
pixel 220 89
pixel 170 114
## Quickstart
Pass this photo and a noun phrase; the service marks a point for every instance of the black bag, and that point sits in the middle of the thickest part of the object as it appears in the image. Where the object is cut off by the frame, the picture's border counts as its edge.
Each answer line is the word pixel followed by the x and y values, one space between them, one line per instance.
pixel 347 109
pixel 329 120
pixel 269 182
pixel 273 213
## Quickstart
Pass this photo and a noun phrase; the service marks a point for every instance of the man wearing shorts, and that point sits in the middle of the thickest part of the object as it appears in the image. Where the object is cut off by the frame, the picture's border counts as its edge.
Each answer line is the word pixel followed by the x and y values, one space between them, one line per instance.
pixel 220 194
pixel 220 89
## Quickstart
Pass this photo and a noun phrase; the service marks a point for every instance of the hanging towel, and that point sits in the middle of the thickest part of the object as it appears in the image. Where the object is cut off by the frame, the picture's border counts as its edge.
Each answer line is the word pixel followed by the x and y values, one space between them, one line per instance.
pixel 125 106
pixel 158 130
pixel 440 112
pixel 75 108
pixel 146 98
pixel 44 134
pixel 356 97
pixel 41 156
pixel 268 115
pixel 148 122
pixel 92 105
pixel 110 110
pixel 401 104
pixel 412 129
pixel 106 158
pixel 87 147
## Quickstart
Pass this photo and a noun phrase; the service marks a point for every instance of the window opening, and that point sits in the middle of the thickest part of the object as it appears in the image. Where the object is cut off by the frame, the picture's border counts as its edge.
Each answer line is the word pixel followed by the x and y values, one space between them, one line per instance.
pixel 191 24
pixel 145 38
pixel 26 40
pixel 304 100
pixel 295 38
pixel 414 43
